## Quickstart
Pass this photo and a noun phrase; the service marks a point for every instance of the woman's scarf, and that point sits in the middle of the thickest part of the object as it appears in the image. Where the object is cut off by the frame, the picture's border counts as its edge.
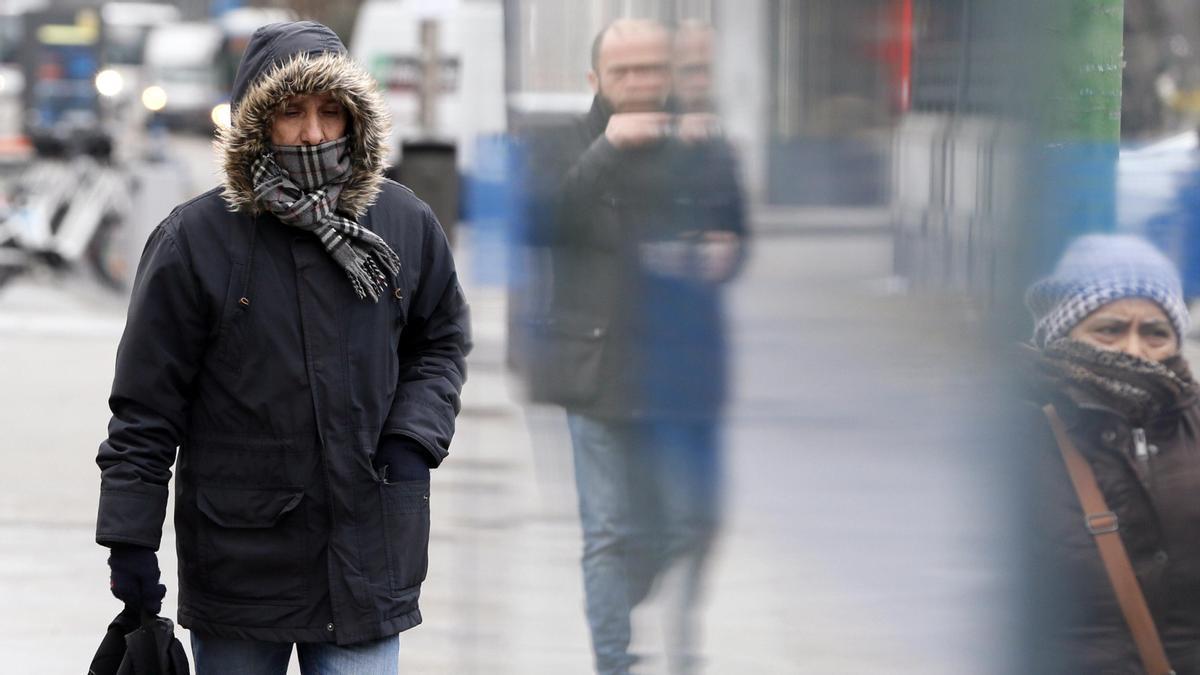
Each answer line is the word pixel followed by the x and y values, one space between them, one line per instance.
pixel 1138 389
pixel 300 185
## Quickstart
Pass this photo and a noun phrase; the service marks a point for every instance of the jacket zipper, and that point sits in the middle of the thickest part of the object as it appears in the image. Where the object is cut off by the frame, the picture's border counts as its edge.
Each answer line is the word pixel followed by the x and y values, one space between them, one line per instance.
pixel 1141 452
pixel 1141 449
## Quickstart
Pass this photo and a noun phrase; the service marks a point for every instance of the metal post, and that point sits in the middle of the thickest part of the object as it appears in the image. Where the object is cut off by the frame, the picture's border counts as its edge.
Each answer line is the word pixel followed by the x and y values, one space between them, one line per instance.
pixel 430 77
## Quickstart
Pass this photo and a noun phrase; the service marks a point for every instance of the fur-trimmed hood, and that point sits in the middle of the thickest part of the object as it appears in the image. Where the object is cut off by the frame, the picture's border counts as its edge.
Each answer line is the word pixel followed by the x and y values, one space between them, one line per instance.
pixel 289 59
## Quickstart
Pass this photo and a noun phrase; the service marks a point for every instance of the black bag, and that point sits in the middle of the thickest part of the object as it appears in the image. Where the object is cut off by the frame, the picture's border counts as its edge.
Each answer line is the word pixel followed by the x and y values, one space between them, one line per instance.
pixel 139 643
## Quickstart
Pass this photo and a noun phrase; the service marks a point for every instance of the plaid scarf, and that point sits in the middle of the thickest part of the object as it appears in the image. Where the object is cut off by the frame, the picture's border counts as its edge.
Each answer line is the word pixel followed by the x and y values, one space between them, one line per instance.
pixel 300 184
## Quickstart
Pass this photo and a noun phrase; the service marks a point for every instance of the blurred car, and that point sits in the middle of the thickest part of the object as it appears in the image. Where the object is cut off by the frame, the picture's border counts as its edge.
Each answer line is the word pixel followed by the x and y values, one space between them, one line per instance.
pixel 14 147
pixel 182 81
pixel 127 26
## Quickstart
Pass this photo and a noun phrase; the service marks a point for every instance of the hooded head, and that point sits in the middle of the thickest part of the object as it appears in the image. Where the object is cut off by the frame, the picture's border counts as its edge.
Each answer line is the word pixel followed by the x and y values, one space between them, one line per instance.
pixel 1097 270
pixel 283 60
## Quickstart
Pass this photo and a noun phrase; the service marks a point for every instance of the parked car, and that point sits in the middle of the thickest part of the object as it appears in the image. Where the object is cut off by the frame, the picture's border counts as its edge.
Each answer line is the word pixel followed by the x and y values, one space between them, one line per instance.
pixel 127 27
pixel 183 86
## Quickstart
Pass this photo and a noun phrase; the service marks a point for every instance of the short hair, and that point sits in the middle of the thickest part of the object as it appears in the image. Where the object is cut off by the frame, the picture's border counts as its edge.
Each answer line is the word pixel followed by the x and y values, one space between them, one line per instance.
pixel 618 24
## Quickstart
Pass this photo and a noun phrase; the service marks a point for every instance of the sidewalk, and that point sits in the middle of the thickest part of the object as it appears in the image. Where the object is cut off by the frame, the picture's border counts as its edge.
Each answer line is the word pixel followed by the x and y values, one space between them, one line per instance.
pixel 771 220
pixel 829 435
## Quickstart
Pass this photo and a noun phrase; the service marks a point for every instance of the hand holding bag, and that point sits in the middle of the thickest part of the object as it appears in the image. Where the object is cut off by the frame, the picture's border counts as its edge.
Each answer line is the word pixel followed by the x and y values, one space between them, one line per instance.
pixel 139 643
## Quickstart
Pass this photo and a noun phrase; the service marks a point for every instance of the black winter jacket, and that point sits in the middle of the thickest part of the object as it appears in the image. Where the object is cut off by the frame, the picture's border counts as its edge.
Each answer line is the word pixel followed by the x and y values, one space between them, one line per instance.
pixel 247 349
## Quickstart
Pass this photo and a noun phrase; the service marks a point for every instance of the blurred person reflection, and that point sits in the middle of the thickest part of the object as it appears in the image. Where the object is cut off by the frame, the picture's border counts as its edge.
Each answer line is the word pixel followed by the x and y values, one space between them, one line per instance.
pixel 1107 356
pixel 640 208
pixel 692 66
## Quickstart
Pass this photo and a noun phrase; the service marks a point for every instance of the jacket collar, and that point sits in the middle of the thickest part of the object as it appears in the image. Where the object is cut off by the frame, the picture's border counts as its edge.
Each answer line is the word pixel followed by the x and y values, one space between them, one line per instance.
pixel 598 116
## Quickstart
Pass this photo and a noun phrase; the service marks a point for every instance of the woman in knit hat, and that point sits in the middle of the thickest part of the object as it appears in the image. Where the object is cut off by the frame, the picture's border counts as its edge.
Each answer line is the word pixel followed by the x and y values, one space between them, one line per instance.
pixel 1114 395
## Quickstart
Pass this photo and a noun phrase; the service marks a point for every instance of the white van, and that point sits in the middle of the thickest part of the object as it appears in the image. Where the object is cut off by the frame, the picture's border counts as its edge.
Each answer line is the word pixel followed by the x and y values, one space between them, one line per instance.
pixel 470 68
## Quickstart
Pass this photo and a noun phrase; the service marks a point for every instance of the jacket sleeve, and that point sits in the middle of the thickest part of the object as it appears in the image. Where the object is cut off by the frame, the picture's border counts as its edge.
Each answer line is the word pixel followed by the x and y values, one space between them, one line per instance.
pixel 557 185
pixel 433 349
pixel 733 215
pixel 157 359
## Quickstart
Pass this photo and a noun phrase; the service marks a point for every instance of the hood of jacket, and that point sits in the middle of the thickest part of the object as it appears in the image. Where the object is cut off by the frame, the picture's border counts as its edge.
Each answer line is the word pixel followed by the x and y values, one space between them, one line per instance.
pixel 289 59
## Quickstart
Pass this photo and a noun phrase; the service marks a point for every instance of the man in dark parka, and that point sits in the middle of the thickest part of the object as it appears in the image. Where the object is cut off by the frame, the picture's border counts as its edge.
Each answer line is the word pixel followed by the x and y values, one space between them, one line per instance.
pixel 299 334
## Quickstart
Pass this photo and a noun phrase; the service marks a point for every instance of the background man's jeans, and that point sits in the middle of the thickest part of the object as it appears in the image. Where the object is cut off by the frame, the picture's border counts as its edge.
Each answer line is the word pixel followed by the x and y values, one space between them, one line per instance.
pixel 648 504
pixel 219 656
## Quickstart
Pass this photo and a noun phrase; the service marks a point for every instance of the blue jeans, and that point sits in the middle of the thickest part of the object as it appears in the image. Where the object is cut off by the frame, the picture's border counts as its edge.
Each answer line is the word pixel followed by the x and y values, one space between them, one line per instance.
pixel 648 504
pixel 219 656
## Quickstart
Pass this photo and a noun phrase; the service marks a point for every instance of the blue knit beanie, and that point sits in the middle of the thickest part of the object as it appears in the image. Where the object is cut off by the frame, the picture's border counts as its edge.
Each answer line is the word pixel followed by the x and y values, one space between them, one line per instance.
pixel 1097 269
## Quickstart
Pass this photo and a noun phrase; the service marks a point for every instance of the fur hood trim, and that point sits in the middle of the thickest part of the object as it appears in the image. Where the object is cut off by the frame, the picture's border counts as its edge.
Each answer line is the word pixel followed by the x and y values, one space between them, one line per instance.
pixel 249 135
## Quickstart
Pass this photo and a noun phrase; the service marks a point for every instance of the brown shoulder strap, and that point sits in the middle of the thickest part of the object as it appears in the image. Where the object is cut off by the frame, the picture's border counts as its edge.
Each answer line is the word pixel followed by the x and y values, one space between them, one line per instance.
pixel 1102 524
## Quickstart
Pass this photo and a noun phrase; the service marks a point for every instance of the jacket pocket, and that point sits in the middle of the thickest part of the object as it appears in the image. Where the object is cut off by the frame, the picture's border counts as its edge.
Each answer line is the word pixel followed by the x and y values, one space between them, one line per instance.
pixel 406 532
pixel 233 317
pixel 253 544
pixel 565 360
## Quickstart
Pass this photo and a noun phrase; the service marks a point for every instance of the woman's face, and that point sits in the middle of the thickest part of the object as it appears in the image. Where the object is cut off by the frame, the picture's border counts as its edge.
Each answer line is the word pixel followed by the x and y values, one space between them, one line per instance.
pixel 1135 326
pixel 311 119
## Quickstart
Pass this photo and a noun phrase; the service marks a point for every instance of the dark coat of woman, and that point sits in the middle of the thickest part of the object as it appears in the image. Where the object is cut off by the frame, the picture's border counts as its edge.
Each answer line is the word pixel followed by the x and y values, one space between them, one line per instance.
pixel 248 350
pixel 1137 423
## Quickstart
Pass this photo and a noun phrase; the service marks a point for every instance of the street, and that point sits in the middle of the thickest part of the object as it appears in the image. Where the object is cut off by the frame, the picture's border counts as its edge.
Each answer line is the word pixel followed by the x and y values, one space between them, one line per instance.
pixel 855 482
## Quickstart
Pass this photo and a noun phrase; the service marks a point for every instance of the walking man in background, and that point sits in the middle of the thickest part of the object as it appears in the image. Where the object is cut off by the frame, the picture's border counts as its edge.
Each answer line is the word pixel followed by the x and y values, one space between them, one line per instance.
pixel 299 335
pixel 639 207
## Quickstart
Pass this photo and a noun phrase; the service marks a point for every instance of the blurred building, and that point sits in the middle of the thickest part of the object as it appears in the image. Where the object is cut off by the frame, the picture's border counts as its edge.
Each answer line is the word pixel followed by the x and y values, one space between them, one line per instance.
pixel 1161 80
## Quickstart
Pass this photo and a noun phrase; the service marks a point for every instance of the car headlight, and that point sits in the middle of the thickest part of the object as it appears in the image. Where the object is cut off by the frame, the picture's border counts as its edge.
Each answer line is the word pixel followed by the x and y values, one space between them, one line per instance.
pixel 154 98
pixel 222 115
pixel 109 82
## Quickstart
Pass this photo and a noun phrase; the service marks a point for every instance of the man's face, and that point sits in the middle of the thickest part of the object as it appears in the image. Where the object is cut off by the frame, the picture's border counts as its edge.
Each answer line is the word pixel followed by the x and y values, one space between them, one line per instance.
pixel 310 119
pixel 693 70
pixel 633 72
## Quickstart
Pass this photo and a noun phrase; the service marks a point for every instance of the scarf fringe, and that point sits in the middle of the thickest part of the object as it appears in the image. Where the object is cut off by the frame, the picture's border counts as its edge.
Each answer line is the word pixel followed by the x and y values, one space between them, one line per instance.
pixel 366 275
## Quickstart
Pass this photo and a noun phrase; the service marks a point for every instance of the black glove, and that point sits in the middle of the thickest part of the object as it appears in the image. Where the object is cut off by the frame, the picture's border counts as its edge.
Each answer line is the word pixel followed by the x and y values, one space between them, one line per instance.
pixel 401 458
pixel 135 576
